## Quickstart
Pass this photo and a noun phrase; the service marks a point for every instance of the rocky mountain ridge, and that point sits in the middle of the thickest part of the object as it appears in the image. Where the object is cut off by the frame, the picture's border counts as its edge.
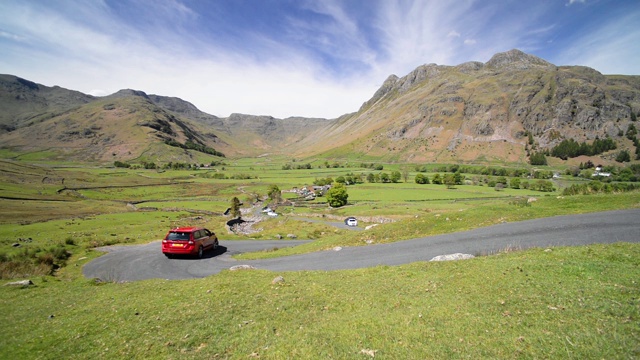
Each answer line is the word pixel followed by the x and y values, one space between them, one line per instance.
pixel 483 111
pixel 501 110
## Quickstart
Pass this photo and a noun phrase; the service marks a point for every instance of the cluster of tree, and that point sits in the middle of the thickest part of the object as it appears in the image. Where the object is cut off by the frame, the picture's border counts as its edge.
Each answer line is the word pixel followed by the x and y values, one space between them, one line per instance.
pixel 538 159
pixel 120 164
pixel 630 173
pixel 335 165
pixel 297 167
pixel 570 148
pixel 350 179
pixel 632 133
pixel 190 145
pixel 383 177
pixel 595 187
pixel 478 170
pixel 323 181
pixel 623 156
pixel 373 166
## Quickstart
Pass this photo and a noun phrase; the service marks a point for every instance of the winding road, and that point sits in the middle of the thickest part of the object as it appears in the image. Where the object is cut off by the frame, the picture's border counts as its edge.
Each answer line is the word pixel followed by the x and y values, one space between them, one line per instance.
pixel 139 262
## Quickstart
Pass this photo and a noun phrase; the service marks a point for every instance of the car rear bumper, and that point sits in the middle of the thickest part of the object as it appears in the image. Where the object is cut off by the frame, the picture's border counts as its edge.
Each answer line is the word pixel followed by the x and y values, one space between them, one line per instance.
pixel 177 250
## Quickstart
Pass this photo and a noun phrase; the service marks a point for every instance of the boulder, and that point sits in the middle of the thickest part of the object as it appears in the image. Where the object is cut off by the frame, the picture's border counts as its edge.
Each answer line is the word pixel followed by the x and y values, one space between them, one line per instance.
pixel 241 267
pixel 456 256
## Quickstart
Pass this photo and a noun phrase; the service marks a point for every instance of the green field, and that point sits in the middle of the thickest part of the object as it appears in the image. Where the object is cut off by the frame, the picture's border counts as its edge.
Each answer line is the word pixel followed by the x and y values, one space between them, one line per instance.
pixel 540 303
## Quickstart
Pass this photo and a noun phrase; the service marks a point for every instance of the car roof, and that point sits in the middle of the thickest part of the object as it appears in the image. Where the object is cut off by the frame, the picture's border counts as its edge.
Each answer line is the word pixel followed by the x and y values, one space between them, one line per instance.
pixel 186 229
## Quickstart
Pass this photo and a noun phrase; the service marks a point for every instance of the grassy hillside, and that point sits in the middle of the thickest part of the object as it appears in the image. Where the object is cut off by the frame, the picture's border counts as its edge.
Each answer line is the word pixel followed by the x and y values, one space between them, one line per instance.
pixel 111 129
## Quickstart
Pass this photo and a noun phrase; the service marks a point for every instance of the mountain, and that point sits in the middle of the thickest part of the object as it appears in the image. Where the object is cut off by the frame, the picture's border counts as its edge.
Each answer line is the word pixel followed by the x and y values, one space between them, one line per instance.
pixel 24 102
pixel 130 125
pixel 483 112
pixel 498 111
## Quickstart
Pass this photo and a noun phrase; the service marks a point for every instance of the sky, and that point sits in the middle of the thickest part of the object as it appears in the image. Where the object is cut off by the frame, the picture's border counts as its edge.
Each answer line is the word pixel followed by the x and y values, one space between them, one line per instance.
pixel 311 58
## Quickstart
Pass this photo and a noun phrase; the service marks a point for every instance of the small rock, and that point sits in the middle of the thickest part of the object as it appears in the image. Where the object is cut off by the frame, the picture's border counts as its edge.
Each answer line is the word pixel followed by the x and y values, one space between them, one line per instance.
pixel 457 256
pixel 279 237
pixel 369 352
pixel 291 236
pixel 51 316
pixel 241 267
pixel 23 283
pixel 15 245
pixel 337 248
pixel 277 280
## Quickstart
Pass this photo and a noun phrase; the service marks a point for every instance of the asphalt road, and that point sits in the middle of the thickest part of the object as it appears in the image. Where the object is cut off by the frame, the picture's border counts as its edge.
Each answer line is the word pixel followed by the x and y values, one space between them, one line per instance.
pixel 130 263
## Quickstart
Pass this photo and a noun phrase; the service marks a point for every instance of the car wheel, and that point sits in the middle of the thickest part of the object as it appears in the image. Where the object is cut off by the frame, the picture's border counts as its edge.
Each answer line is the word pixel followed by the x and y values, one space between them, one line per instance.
pixel 200 252
pixel 169 256
pixel 215 245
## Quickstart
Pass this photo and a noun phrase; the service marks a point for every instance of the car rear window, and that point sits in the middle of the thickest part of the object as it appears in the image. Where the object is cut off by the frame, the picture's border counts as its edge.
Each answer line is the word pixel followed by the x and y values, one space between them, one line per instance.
pixel 178 236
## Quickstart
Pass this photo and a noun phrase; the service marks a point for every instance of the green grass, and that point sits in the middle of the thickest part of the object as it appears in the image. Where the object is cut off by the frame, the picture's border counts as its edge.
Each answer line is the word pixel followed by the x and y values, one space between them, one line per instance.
pixel 566 303
pixel 579 302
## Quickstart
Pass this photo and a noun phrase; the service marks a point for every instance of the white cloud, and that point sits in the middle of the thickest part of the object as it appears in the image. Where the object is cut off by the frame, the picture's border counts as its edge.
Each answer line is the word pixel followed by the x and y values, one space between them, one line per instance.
pixel 92 50
pixel 571 2
pixel 611 48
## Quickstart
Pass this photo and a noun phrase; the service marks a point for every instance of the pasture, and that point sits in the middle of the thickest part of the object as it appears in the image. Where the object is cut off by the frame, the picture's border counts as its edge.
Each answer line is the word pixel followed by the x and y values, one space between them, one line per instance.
pixel 565 302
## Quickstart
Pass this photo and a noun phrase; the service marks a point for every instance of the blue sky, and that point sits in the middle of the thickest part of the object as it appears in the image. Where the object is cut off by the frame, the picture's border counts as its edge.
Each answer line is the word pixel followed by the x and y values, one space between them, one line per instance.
pixel 316 58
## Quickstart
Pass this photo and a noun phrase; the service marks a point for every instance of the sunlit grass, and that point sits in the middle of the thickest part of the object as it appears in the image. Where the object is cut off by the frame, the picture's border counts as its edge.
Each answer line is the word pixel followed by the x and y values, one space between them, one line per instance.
pixel 562 303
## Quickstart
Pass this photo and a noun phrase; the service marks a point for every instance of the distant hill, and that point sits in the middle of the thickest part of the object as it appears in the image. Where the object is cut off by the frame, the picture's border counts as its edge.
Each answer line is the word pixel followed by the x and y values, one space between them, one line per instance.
pixel 499 111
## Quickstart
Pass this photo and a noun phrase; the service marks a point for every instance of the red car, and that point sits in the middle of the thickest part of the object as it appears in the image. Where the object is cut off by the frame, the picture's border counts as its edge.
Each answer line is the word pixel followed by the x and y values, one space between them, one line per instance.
pixel 188 241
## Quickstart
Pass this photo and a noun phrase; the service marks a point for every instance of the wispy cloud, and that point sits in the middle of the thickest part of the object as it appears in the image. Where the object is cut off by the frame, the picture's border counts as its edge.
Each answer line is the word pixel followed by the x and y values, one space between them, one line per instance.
pixel 309 58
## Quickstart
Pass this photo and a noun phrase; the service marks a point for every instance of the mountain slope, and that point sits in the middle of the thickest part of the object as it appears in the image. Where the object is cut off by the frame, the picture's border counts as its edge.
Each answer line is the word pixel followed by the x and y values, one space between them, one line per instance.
pixel 25 102
pixel 483 112
pixel 118 127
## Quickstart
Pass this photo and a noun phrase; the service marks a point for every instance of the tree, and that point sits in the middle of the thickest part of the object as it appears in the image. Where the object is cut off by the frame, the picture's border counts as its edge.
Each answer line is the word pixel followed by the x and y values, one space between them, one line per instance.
pixel 235 208
pixel 421 179
pixel 395 176
pixel 449 180
pixel 538 159
pixel 337 196
pixel 371 178
pixel 623 156
pixel 457 178
pixel 436 179
pixel 515 183
pixel 274 193
pixel 405 173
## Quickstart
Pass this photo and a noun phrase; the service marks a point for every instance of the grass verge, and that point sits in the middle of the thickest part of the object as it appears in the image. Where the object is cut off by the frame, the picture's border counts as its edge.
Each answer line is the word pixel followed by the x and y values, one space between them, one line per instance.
pixel 572 302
